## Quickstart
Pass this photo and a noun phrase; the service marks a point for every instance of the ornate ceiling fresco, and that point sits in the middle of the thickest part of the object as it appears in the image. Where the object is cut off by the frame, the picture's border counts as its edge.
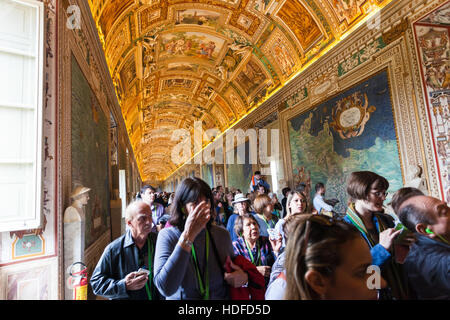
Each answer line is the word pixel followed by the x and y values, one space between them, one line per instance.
pixel 174 62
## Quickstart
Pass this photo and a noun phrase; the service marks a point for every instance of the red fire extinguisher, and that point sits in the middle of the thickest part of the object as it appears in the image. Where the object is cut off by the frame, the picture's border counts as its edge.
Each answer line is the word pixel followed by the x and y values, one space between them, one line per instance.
pixel 78 281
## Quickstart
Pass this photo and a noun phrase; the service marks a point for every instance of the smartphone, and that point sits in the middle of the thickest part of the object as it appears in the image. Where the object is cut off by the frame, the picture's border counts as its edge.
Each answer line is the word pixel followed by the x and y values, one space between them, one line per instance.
pixel 402 234
pixel 142 270
pixel 273 234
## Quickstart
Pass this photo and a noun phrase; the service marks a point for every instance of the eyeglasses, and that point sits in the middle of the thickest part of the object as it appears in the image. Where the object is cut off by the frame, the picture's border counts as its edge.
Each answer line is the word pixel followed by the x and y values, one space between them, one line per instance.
pixel 380 194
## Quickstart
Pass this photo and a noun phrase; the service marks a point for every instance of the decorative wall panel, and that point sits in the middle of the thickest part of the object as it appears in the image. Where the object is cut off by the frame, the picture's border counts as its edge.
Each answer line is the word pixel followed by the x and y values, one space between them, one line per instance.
pixel 90 154
pixel 351 132
pixel 432 35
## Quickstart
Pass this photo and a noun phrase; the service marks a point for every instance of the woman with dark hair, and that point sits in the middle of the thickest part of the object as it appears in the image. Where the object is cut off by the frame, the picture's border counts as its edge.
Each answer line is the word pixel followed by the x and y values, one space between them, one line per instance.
pixel 189 256
pixel 367 191
pixel 261 251
pixel 327 260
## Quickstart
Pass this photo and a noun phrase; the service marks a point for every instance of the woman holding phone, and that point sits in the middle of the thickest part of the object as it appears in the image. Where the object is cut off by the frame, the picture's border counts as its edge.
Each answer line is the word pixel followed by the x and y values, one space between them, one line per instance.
pixel 367 191
pixel 190 255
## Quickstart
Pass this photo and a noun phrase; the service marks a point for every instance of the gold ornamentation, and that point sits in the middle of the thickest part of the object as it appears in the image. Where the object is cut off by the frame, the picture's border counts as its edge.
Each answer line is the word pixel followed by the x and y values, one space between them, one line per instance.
pixel 351 114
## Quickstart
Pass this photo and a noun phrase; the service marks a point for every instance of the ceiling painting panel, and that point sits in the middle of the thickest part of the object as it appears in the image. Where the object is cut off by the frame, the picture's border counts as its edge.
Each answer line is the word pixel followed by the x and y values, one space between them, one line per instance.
pixel 174 62
pixel 282 55
pixel 300 22
pixel 252 78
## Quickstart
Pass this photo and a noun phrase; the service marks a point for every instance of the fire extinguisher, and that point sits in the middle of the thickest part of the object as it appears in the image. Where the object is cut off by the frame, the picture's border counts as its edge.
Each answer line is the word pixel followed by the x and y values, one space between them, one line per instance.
pixel 78 281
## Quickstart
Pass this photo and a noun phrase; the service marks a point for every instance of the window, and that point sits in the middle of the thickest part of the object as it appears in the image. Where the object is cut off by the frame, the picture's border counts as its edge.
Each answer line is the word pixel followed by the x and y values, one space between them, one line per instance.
pixel 21 65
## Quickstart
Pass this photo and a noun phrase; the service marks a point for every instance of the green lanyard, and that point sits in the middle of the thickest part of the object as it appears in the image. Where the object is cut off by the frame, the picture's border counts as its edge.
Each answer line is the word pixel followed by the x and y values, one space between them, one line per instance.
pixel 267 223
pixel 203 284
pixel 150 276
pixel 359 224
pixel 258 253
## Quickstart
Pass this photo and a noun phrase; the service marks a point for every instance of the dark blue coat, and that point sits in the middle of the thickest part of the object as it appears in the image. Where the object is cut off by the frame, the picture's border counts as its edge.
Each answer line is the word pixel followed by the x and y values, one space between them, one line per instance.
pixel 119 259
pixel 427 267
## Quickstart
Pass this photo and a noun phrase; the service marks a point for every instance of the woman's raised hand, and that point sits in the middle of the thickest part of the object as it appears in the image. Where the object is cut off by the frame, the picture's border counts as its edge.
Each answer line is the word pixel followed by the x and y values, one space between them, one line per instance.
pixel 387 237
pixel 197 220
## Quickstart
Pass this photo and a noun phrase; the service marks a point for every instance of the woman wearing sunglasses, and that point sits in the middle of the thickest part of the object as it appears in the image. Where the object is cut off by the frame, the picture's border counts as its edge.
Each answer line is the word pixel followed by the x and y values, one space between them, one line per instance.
pixel 190 255
pixel 367 191
pixel 327 259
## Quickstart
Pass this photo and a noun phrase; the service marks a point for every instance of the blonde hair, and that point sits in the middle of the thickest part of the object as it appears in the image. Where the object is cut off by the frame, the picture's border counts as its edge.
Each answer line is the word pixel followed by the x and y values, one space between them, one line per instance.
pixel 289 199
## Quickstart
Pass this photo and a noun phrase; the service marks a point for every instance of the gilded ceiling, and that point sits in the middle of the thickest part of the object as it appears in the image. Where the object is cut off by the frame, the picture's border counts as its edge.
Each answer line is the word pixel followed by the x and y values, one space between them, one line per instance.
pixel 174 62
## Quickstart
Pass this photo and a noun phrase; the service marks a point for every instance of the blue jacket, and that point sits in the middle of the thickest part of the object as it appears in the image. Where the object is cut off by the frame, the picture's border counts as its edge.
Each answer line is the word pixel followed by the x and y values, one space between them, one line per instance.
pixel 428 269
pixel 392 271
pixel 119 259
pixel 379 254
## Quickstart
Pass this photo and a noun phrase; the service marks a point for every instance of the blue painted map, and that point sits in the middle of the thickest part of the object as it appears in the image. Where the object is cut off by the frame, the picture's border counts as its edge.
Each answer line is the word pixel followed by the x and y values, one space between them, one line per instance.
pixel 320 154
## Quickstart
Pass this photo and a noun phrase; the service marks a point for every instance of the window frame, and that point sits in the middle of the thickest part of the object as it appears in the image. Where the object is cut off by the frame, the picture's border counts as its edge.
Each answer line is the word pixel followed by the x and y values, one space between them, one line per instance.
pixel 34 220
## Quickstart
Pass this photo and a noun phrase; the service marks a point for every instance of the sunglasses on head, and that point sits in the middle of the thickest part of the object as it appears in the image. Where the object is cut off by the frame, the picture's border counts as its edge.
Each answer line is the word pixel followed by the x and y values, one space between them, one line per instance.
pixel 319 219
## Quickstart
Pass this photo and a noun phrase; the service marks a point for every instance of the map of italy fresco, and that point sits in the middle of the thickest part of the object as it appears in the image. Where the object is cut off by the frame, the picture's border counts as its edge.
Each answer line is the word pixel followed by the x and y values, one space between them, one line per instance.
pixel 353 131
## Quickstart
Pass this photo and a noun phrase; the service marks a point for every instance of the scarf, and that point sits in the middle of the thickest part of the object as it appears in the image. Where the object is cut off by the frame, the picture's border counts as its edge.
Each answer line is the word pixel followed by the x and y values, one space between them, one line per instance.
pixel 392 271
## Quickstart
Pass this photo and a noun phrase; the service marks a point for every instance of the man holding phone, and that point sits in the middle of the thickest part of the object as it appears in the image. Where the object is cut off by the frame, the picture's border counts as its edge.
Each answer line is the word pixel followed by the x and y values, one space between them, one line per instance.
pixel 125 270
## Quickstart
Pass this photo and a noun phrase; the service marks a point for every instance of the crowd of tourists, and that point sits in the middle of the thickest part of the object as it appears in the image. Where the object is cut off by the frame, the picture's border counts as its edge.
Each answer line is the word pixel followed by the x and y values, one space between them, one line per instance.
pixel 225 244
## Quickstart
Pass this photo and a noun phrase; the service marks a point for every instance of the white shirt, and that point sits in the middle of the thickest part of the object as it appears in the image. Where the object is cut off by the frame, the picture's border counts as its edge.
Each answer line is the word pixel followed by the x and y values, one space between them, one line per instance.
pixel 319 204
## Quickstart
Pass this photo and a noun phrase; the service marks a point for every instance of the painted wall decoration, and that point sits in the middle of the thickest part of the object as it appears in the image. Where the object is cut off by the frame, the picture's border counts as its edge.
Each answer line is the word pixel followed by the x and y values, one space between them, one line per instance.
pixel 219 177
pixel 353 131
pixel 193 44
pixel 239 173
pixel 29 245
pixel 128 72
pixel 301 23
pixel 208 174
pixel 361 56
pixel 197 40
pixel 283 57
pixel 432 35
pixel 347 10
pixel 251 78
pixel 90 153
pixel 204 18
pixel 32 284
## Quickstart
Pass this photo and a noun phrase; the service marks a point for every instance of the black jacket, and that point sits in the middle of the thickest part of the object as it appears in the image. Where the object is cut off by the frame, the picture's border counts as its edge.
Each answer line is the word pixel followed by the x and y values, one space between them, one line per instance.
pixel 427 267
pixel 119 259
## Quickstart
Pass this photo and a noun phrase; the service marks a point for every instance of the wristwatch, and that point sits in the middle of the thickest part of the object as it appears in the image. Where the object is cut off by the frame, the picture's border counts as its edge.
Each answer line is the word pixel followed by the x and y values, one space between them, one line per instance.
pixel 185 241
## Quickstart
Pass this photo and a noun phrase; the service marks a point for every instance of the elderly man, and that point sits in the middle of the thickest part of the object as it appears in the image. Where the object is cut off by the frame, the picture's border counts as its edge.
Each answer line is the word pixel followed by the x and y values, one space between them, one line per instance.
pixel 117 274
pixel 428 262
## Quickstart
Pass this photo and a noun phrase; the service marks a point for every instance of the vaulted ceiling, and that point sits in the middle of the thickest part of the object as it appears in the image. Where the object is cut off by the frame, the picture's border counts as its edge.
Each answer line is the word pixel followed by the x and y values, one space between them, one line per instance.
pixel 174 62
